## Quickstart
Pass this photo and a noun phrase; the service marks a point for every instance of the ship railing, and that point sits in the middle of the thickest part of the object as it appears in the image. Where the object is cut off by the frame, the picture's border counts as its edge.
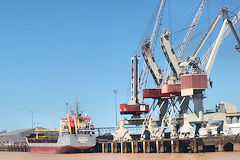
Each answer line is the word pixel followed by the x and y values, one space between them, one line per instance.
pixel 87 131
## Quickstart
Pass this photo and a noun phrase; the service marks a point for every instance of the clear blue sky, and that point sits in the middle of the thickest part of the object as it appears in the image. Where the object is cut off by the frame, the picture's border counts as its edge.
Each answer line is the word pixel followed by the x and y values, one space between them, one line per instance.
pixel 54 51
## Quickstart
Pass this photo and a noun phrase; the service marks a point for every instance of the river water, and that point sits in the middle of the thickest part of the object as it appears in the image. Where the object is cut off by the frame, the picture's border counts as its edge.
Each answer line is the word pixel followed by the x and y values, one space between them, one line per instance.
pixel 118 156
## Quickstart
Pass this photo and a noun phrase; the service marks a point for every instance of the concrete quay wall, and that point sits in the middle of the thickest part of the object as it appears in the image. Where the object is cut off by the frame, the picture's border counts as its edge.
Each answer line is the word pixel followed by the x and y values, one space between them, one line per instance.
pixel 189 145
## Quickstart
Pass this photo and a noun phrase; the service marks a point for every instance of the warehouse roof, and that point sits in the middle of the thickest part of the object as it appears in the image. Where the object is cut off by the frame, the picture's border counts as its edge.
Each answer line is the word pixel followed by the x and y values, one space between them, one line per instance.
pixel 16 131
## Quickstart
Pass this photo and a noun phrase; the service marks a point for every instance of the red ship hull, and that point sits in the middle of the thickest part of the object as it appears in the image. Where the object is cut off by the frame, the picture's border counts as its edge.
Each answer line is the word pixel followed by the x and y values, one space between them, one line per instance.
pixel 57 150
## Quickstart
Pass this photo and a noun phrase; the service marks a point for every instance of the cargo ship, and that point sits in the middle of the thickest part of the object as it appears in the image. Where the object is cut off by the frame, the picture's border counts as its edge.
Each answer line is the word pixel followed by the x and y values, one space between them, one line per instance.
pixel 76 134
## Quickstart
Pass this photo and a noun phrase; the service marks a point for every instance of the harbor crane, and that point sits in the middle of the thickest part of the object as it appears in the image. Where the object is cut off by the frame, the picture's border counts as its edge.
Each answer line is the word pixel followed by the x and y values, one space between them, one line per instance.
pixel 161 93
pixel 186 81
pixel 191 80
pixel 135 106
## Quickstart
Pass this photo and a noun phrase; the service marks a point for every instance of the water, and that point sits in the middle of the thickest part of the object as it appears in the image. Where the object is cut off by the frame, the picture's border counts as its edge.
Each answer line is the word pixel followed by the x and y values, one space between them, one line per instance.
pixel 118 156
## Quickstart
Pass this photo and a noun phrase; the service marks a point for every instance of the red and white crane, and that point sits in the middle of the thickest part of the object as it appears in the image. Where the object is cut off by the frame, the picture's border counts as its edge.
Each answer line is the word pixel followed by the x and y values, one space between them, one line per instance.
pixel 166 87
pixel 190 79
pixel 186 81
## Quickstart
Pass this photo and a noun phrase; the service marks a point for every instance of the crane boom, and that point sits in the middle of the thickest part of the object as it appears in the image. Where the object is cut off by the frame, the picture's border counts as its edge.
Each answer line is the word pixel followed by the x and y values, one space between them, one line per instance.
pixel 228 28
pixel 206 55
pixel 190 32
pixel 148 47
pixel 151 63
pixel 172 59
pixel 222 35
pixel 207 34
pixel 169 53
pixel 215 49
pixel 157 24
pixel 233 30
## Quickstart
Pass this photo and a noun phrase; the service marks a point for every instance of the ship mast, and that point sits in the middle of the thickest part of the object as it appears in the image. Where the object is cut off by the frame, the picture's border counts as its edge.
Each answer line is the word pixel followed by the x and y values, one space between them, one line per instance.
pixel 77 105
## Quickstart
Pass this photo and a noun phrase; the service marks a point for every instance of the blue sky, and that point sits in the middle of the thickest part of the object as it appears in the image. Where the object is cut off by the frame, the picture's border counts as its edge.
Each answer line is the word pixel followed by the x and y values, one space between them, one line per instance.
pixel 54 51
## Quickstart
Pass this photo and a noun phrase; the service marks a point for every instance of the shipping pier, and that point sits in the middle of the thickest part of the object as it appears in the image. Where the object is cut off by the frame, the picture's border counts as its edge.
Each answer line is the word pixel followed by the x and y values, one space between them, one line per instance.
pixel 218 143
pixel 23 147
pixel 188 145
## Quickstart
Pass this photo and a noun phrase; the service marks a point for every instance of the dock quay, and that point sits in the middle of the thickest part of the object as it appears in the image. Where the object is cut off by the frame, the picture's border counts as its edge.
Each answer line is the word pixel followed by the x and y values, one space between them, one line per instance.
pixel 188 145
pixel 14 148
